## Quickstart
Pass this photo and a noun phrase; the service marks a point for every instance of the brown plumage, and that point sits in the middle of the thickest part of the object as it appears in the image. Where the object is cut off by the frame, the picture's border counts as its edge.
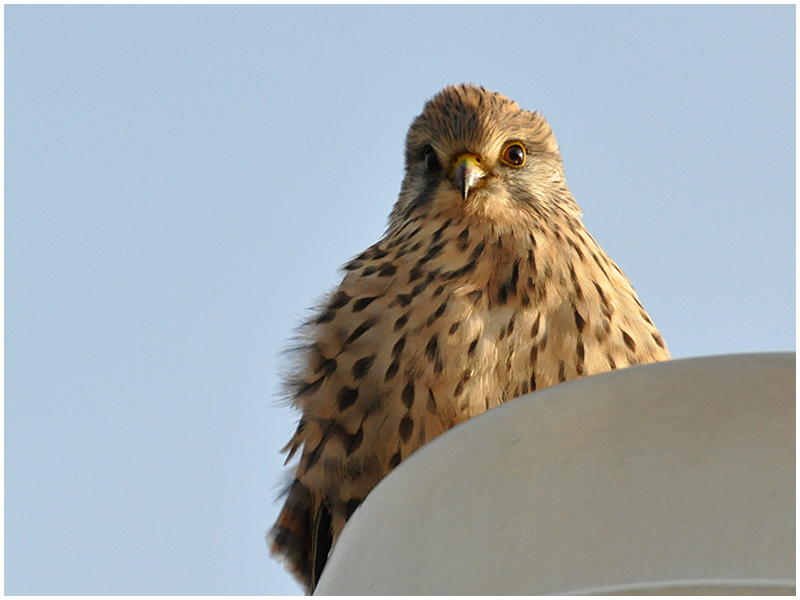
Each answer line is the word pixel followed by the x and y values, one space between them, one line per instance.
pixel 485 286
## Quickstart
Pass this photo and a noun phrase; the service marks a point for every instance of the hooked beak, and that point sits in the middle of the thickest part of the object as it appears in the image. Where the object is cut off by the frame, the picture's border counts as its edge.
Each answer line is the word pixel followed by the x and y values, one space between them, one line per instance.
pixel 467 173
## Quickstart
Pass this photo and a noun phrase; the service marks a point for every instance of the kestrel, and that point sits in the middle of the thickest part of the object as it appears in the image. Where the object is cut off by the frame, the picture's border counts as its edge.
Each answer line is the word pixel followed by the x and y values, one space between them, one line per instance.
pixel 485 286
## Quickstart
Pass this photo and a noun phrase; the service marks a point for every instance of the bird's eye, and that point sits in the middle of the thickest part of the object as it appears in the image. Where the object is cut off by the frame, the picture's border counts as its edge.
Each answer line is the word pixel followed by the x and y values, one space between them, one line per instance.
pixel 514 155
pixel 431 160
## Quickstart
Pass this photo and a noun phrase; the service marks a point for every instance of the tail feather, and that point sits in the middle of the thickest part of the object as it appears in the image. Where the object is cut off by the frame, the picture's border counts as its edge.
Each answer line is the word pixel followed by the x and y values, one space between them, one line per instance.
pixel 321 543
pixel 301 537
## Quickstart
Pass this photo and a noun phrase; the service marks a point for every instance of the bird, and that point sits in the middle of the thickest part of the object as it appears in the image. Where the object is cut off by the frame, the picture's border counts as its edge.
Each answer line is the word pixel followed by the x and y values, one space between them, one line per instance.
pixel 485 286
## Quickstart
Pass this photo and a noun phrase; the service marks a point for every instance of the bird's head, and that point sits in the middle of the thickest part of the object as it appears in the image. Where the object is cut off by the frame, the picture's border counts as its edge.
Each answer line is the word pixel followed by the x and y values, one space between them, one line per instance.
pixel 477 153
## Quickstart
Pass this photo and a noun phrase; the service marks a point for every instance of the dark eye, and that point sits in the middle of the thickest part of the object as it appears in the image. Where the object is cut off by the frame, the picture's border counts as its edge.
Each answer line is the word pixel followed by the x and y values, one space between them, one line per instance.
pixel 431 160
pixel 514 155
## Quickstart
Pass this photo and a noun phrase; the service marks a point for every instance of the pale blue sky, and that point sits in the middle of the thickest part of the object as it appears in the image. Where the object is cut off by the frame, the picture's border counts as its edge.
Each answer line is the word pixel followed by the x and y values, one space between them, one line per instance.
pixel 182 182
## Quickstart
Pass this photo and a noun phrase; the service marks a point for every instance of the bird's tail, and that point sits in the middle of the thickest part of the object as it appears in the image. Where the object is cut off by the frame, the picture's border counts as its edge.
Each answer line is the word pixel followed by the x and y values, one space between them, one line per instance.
pixel 301 537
